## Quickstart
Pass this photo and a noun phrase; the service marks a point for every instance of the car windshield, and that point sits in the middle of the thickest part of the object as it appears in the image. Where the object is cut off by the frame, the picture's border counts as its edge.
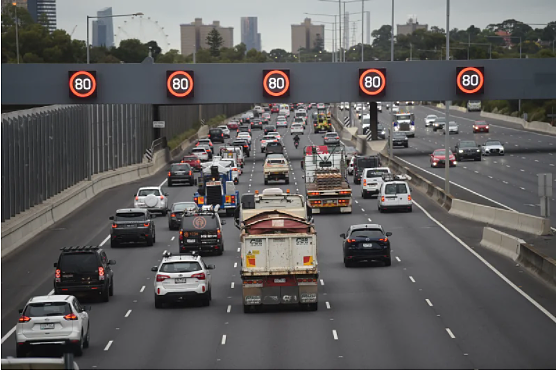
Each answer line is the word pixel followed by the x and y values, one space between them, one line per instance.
pixel 395 188
pixel 493 143
pixel 332 135
pixel 47 309
pixel 180 167
pixel 180 267
pixel 480 123
pixel 190 158
pixel 367 233
pixel 432 116
pixel 150 191
pixel 183 206
pixel 467 143
pixel 78 262
pixel 376 173
pixel 119 217
pixel 403 117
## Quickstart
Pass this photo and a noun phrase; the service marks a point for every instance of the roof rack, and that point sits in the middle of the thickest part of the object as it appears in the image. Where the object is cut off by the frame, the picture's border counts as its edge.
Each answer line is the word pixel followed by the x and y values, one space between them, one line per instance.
pixel 168 254
pixel 79 248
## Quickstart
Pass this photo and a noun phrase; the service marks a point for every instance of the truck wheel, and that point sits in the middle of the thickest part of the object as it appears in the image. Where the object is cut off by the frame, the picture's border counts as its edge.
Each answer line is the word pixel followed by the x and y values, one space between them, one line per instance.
pixel 169 183
pixel 265 182
pixel 478 159
pixel 246 308
pixel 312 307
pixel 287 181
pixel 149 241
pixel 105 295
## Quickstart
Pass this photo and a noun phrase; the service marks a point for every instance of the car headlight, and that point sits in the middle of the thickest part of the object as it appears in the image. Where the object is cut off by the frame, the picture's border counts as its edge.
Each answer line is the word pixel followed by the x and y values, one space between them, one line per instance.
pixel 434 163
pixel 383 132
pixel 413 128
pixel 478 150
pixel 460 151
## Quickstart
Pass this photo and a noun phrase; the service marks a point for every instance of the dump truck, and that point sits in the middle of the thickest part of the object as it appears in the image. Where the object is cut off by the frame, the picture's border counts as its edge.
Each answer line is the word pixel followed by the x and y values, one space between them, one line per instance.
pixel 216 187
pixel 322 122
pixel 279 263
pixel 276 168
pixel 326 186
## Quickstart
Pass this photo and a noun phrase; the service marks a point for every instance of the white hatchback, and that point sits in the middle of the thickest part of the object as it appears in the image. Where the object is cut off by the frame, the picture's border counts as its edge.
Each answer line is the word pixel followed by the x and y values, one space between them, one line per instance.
pixel 152 199
pixel 395 195
pixel 244 135
pixel 182 277
pixel 371 180
pixel 52 320
pixel 201 153
pixel 297 129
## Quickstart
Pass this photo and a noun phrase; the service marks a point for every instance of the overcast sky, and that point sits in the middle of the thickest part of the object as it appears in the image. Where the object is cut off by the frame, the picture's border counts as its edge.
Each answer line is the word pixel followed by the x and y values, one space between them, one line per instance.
pixel 276 17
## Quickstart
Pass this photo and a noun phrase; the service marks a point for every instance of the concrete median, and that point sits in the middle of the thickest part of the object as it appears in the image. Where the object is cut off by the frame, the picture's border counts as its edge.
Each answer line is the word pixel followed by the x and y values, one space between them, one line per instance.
pixel 501 242
pixel 540 264
pixel 500 217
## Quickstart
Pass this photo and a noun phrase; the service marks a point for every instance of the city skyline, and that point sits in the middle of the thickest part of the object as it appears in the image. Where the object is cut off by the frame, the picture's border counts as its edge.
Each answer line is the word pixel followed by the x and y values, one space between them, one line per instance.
pixel 275 23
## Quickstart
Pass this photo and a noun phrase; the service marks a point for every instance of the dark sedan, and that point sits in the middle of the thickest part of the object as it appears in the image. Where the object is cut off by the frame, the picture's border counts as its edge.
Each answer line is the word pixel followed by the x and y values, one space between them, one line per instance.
pixel 366 242
pixel 256 124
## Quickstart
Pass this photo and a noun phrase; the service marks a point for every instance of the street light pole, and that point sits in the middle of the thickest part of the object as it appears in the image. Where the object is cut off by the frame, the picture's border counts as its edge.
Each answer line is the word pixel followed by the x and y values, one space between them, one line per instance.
pixel 16 33
pixel 447 123
pixel 392 35
pixel 88 47
pixel 340 27
pixel 362 30
pixel 391 132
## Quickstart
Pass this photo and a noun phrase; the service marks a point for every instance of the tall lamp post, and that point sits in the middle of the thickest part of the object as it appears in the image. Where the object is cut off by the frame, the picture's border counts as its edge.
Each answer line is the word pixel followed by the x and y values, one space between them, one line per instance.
pixel 16 32
pixel 106 16
pixel 447 124
pixel 336 58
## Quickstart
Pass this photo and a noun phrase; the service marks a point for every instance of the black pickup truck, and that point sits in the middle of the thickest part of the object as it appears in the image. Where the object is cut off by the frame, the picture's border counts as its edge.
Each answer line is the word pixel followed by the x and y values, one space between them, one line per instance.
pixel 132 225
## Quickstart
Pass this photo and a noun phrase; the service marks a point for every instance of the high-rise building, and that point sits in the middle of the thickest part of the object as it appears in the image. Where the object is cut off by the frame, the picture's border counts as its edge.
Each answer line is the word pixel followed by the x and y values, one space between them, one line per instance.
pixel 194 35
pixel 37 8
pixel 249 33
pixel 411 26
pixel 306 35
pixel 103 29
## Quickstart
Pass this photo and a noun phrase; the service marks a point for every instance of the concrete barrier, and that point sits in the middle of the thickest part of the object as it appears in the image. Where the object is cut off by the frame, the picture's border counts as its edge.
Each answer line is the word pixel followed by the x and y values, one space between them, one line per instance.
pixel 501 217
pixel 452 107
pixel 496 116
pixel 540 264
pixel 501 242
pixel 543 127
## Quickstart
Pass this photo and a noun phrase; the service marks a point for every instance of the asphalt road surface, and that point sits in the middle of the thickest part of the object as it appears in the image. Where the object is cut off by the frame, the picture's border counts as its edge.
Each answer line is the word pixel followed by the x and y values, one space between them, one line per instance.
pixel 437 306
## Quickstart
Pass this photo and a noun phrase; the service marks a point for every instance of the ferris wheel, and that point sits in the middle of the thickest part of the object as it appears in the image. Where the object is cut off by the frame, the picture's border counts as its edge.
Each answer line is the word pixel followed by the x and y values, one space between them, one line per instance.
pixel 144 29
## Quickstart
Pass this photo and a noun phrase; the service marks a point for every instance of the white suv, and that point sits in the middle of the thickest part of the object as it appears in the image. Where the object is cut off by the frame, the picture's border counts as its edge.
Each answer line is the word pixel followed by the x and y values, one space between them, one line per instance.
pixel 182 277
pixel 52 320
pixel 371 180
pixel 394 195
pixel 152 199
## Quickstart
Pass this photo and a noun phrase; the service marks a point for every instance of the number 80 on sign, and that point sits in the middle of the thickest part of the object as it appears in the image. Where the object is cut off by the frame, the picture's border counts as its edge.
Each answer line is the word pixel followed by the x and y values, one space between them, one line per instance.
pixel 470 80
pixel 179 84
pixel 276 83
pixel 372 82
pixel 82 84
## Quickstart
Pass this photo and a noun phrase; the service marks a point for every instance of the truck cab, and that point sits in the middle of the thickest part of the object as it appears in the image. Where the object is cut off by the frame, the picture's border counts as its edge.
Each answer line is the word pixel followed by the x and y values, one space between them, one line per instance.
pixel 405 123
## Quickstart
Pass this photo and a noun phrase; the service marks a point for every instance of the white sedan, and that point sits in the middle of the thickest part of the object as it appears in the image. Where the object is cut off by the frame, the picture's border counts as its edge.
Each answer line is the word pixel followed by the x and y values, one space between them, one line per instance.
pixel 225 130
pixel 297 129
pixel 492 147
pixel 281 123
pixel 284 112
pixel 430 119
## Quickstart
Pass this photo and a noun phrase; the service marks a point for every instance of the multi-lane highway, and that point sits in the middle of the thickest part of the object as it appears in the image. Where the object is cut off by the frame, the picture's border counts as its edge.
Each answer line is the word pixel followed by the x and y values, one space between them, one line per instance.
pixel 508 181
pixel 437 306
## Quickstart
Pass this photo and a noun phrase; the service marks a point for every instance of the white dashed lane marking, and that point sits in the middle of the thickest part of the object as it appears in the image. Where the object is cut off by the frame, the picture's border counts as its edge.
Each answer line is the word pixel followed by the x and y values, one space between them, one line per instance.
pixel 428 302
pixel 108 345
pixel 450 333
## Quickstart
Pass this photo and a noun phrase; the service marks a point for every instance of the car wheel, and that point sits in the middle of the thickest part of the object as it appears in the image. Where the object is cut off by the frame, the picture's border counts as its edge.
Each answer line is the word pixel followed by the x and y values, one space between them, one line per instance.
pixel 312 307
pixel 154 236
pixel 410 209
pixel 150 241
pixel 246 308
pixel 158 302
pixel 287 181
pixel 78 350
pixel 111 289
pixel 380 209
pixel 478 159
pixel 265 182
pixel 388 262
pixel 20 351
pixel 87 340
pixel 205 300
pixel 347 264
pixel 114 243
pixel 164 213
pixel 169 183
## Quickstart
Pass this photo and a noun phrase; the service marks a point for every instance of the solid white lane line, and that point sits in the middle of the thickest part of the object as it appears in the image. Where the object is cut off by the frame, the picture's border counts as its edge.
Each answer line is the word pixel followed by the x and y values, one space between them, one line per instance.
pixel 229 309
pixel 128 313
pixel 165 180
pixel 235 265
pixel 428 302
pixel 105 240
pixel 490 266
pixel 450 333
pixel 412 279
pixel 327 305
pixel 223 339
pixel 142 289
pixel 335 334
pixel 173 238
pixel 322 282
pixel 398 259
pixel 233 284
pixel 108 345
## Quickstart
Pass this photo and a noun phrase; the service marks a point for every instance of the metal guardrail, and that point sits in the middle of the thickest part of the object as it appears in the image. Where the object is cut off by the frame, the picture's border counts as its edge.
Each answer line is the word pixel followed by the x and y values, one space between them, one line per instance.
pixel 156 145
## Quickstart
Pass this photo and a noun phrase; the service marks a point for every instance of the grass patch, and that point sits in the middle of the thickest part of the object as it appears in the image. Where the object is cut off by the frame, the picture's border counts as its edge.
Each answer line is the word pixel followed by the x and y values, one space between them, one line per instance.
pixel 178 139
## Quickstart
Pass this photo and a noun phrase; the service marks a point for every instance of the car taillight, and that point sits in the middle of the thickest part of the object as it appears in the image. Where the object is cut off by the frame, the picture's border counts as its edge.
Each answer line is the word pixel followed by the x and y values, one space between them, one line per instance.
pixel 173 215
pixel 23 319
pixel 350 240
pixel 161 197
pixel 181 235
pixel 101 273
pixel 169 173
pixel 196 144
pixel 337 137
pixel 189 172
pixel 199 276
pixel 146 224
pixel 364 182
pixel 136 198
pixel 382 199
pixel 70 317
pixel 409 197
pixel 58 275
pixel 195 199
pixel 218 233
pixel 161 277
pixel 384 239
pixel 114 226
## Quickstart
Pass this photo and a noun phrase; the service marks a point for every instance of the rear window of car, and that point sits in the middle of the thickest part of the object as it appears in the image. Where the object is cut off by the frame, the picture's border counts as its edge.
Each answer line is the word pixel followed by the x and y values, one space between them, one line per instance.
pixel 375 173
pixel 180 267
pixel 183 206
pixel 332 135
pixel 274 144
pixel 200 223
pixel 190 158
pixel 392 189
pixel 180 167
pixel 129 217
pixel 367 233
pixel 269 137
pixel 79 262
pixel 205 141
pixel 215 131
pixel 146 192
pixel 276 162
pixel 47 309
pixel 198 150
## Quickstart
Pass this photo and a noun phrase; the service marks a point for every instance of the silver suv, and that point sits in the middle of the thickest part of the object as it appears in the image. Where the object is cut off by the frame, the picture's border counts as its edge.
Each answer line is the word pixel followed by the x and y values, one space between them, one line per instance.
pixel 52 320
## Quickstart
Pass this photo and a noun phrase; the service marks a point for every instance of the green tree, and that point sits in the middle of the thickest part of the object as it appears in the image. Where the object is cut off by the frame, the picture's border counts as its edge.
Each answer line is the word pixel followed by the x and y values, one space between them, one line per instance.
pixel 214 40
pixel 171 56
pixel 131 51
pixel 155 49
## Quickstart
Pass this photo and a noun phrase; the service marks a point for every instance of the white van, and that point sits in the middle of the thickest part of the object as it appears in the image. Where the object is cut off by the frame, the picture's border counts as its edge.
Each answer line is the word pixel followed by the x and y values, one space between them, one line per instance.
pixel 395 195
pixel 371 180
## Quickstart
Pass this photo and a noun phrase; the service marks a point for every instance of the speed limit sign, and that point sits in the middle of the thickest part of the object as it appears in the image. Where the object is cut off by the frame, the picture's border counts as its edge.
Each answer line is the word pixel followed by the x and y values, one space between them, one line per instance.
pixel 82 84
pixel 372 82
pixel 470 80
pixel 179 84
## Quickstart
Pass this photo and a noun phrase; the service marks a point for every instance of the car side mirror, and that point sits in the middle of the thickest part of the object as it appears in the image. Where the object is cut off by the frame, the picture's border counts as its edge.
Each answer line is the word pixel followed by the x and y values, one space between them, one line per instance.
pixel 154 269
pixel 20 311
pixel 211 266
pixel 166 194
pixel 388 234
pixel 111 218
pixel 87 308
pixel 55 265
pixel 111 262
pixel 343 235
pixel 223 222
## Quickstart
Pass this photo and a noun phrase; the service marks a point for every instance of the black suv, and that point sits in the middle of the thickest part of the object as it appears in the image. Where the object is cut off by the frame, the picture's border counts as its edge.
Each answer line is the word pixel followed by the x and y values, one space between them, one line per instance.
pixel 180 173
pixel 467 150
pixel 256 124
pixel 132 225
pixel 84 270
pixel 362 162
pixel 244 144
pixel 400 139
pixel 269 128
pixel 201 232
pixel 216 135
pixel 366 242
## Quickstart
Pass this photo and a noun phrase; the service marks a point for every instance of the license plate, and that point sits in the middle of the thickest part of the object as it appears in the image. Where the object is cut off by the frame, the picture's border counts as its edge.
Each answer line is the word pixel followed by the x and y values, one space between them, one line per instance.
pixel 190 241
pixel 367 245
pixel 47 326
pixel 279 280
pixel 181 280
pixel 330 202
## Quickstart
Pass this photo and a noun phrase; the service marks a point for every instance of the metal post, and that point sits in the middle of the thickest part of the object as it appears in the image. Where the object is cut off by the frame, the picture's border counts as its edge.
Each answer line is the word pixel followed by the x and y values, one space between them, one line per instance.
pixel 340 28
pixel 410 52
pixel 468 44
pixel 489 51
pixel 345 31
pixel 88 47
pixel 16 33
pixel 362 29
pixel 333 44
pixel 447 124
pixel 194 52
pixel 392 36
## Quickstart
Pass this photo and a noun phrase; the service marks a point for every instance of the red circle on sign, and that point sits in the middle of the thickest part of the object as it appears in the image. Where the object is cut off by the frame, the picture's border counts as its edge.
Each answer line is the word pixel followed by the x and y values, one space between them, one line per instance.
pixel 481 80
pixel 285 89
pixel 75 92
pixel 362 77
pixel 199 222
pixel 172 91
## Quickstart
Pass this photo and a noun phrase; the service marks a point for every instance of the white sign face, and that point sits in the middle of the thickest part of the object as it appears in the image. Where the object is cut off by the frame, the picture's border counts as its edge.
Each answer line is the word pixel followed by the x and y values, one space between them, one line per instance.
pixel 159 124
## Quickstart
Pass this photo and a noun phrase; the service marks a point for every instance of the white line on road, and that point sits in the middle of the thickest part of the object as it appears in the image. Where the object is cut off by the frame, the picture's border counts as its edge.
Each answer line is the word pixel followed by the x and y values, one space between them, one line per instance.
pixel 335 334
pixel 504 182
pixel 428 302
pixel 412 279
pixel 327 305
pixel 490 266
pixel 164 253
pixel 105 240
pixel 223 339
pixel 370 220
pixel 523 189
pixel 363 210
pixel 398 259
pixel 229 309
pixel 108 345
pixel 238 249
pixel 322 281
pixel 165 180
pixel 356 201
pixel 173 238
pixel 233 284
pixel 235 265
pixel 128 313
pixel 450 333
pixel 142 289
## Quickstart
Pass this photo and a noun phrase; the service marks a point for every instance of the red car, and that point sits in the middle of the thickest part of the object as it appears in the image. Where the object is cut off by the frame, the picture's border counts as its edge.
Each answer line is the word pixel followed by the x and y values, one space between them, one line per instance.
pixel 480 127
pixel 233 125
pixel 193 161
pixel 438 158
pixel 275 109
